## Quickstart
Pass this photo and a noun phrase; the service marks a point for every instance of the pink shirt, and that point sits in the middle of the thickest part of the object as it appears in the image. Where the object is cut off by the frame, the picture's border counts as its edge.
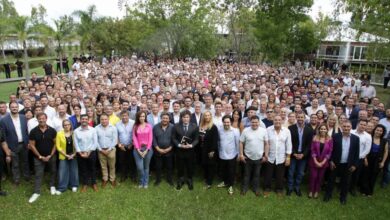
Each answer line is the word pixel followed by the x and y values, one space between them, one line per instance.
pixel 144 136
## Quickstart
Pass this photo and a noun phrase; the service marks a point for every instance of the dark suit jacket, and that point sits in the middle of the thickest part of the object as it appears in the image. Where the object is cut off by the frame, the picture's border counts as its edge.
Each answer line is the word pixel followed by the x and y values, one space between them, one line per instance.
pixel 354 113
pixel 178 133
pixel 9 131
pixel 193 118
pixel 353 157
pixel 306 139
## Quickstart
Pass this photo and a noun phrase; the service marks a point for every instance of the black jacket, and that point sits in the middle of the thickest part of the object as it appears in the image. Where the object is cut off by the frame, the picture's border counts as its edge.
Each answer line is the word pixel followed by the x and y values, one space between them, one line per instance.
pixel 306 139
pixel 353 157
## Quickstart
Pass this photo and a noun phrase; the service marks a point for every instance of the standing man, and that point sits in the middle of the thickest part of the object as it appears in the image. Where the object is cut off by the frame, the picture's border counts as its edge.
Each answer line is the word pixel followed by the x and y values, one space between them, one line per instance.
pixel 162 142
pixel 7 152
pixel 364 149
pixel 228 149
pixel 14 126
pixel 386 76
pixel 125 145
pixel 343 162
pixel 253 151
pixel 280 148
pixel 301 138
pixel 19 67
pixel 85 141
pixel 107 137
pixel 48 68
pixel 42 144
pixel 154 117
pixel 185 136
pixel 7 70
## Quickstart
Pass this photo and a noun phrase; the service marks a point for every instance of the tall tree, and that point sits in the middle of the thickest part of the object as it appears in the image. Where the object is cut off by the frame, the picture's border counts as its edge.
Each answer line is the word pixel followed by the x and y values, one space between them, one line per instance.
pixel 64 32
pixel 7 13
pixel 86 27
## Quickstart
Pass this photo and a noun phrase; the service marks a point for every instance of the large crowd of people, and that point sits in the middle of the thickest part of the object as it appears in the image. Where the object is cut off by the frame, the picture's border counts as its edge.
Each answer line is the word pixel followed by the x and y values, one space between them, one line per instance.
pixel 262 126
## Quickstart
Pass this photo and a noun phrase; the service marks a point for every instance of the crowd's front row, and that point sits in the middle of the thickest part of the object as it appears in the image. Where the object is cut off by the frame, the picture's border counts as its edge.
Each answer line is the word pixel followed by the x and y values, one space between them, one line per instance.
pixel 354 156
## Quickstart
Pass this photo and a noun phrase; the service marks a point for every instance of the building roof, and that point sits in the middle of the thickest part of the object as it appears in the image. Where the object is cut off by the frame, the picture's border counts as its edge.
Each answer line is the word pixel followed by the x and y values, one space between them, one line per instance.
pixel 347 34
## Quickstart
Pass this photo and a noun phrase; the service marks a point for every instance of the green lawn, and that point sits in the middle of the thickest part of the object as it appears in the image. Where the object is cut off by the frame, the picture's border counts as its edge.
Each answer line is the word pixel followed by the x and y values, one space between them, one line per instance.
pixel 163 202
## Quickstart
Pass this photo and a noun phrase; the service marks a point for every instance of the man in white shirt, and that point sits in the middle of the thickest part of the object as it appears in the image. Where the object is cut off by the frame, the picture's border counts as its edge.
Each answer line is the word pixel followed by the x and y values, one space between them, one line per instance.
pixel 59 118
pixel 228 150
pixel 364 149
pixel 280 148
pixel 217 118
pixel 367 90
pixel 253 151
pixel 32 123
pixel 48 110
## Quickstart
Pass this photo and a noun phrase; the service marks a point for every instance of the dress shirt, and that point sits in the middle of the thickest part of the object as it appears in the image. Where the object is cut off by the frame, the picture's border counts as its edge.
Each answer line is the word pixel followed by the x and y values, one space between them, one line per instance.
pixel 85 140
pixel 18 128
pixel 345 148
pixel 229 143
pixel 107 136
pixel 125 132
pixel 367 91
pixel 32 123
pixel 365 143
pixel 50 112
pixel 280 145
pixel 254 142
pixel 385 122
pixel 162 137
pixel 176 118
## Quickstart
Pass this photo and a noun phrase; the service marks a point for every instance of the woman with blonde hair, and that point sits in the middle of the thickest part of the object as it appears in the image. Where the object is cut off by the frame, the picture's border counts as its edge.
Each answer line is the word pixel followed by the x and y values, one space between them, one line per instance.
pixel 208 143
pixel 333 125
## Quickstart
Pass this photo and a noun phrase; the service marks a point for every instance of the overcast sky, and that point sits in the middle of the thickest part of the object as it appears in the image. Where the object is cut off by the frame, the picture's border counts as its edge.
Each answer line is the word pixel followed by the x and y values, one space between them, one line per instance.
pixel 56 8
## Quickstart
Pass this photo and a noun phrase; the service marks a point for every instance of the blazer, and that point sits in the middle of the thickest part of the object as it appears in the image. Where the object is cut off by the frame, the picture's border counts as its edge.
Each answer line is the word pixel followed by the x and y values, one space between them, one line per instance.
pixel 9 131
pixel 320 156
pixel 150 119
pixel 193 119
pixel 178 133
pixel 306 139
pixel 353 157
pixel 210 140
pixel 61 144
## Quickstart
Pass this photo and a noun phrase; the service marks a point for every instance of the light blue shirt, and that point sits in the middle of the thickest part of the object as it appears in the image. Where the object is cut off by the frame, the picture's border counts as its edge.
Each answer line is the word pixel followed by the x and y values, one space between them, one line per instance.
pixel 229 143
pixel 107 137
pixel 85 140
pixel 345 149
pixel 125 132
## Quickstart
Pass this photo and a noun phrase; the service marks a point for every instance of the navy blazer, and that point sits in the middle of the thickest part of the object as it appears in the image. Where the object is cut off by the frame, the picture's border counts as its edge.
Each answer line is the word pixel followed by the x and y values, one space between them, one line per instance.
pixel 193 119
pixel 353 157
pixel 9 131
pixel 307 138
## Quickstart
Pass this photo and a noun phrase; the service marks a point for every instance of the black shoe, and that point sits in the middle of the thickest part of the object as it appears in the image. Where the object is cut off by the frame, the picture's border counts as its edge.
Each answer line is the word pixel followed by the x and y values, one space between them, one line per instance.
pixel 157 182
pixel 179 185
pixel 353 193
pixel 2 193
pixel 343 201
pixel 190 185
pixel 243 193
pixel 298 192
pixel 326 198
pixel 170 182
pixel 288 192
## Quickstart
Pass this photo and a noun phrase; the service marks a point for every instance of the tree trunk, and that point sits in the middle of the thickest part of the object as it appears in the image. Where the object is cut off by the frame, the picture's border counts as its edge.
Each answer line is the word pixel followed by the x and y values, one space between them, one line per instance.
pixel 60 56
pixel 26 60
pixel 3 53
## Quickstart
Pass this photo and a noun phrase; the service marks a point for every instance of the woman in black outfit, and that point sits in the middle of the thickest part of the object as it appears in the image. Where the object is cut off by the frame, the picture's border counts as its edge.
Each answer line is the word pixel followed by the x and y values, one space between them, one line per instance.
pixel 208 143
pixel 375 160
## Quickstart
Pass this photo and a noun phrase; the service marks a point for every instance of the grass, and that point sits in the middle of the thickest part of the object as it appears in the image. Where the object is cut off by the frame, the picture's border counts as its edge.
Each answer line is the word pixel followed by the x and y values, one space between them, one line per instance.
pixel 164 202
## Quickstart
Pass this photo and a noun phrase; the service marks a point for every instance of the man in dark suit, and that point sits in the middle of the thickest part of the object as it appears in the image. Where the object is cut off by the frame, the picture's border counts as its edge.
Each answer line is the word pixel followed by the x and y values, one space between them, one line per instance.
pixel 301 138
pixel 14 127
pixel 133 108
pixel 343 162
pixel 197 115
pixel 185 148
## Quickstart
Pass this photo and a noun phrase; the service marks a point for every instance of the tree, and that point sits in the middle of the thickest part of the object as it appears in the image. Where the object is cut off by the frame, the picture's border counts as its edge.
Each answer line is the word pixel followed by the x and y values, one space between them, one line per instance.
pixel 7 13
pixel 275 24
pixel 64 31
pixel 86 26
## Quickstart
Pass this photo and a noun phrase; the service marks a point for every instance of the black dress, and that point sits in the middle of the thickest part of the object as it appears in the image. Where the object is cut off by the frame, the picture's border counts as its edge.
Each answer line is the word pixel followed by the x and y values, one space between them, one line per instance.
pixel 208 142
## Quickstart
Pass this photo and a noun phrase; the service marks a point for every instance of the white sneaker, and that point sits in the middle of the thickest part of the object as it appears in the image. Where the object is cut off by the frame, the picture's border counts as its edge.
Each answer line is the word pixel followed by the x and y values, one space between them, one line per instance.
pixel 33 198
pixel 230 190
pixel 74 189
pixel 146 186
pixel 58 192
pixel 221 185
pixel 52 190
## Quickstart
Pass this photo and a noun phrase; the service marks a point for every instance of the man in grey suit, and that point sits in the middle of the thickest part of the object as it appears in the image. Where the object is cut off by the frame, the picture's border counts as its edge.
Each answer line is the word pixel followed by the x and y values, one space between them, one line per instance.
pixel 14 127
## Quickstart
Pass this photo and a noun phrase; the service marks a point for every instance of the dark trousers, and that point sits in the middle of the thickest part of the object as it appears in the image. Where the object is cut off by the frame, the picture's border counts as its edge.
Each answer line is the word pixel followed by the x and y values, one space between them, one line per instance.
pixel 355 177
pixel 345 175
pixel 270 170
pixel 185 163
pixel 370 174
pixel 20 162
pixel 385 82
pixel 228 168
pixel 163 161
pixel 87 169
pixel 1 168
pixel 39 167
pixel 20 72
pixel 126 165
pixel 7 74
pixel 252 168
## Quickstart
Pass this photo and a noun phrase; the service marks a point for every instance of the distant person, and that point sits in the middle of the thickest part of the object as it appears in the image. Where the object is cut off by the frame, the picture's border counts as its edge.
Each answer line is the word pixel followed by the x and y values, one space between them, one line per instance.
pixel 48 68
pixel 7 70
pixel 386 76
pixel 19 67
pixel 7 158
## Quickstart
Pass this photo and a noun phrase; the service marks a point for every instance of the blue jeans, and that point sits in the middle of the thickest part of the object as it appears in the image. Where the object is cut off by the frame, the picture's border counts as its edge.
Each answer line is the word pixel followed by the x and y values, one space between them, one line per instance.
pixel 143 166
pixel 297 167
pixel 386 174
pixel 68 175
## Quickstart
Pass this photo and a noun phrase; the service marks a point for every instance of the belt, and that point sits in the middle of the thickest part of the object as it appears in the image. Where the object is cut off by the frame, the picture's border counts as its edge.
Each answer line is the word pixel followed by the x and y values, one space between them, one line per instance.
pixel 21 142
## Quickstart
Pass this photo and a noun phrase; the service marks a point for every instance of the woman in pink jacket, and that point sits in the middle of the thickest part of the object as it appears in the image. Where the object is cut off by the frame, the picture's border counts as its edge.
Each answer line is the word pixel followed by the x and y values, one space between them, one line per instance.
pixel 321 151
pixel 142 141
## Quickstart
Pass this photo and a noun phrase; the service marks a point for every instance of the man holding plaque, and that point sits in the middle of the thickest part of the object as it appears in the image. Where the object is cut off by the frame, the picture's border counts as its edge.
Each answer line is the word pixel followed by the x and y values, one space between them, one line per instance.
pixel 185 137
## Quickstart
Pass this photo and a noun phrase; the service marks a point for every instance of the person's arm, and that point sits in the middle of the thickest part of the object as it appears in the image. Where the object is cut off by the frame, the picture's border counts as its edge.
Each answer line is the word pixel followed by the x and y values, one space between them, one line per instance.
pixel 175 142
pixel 114 140
pixel 98 138
pixel 53 150
pixel 215 137
pixel 288 146
pixel 150 137
pixel 135 140
pixel 385 155
pixel 7 151
pixel 76 142
pixel 367 147
pixel 195 138
pixel 58 145
pixel 34 149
